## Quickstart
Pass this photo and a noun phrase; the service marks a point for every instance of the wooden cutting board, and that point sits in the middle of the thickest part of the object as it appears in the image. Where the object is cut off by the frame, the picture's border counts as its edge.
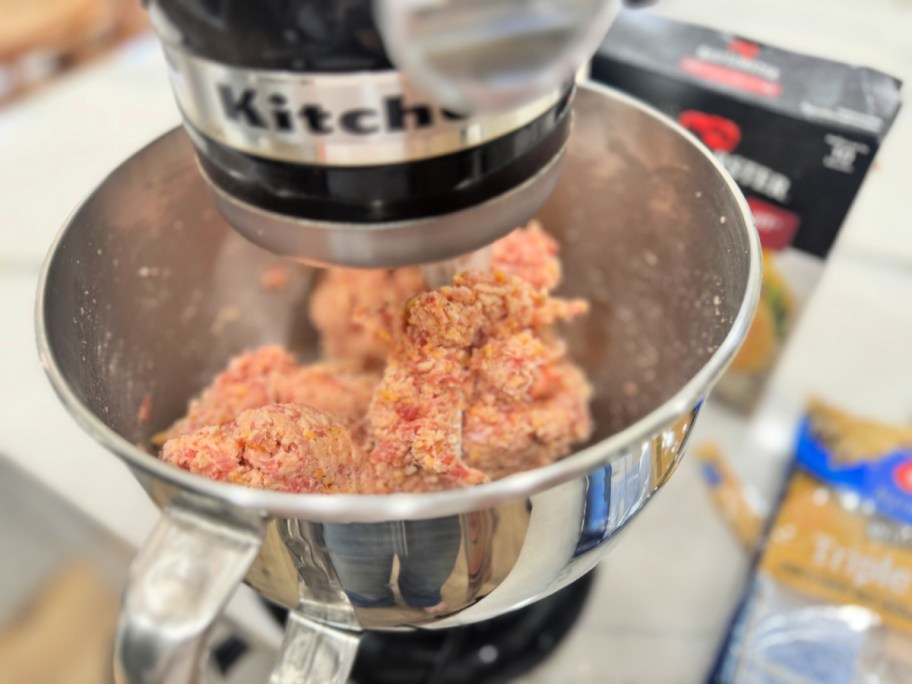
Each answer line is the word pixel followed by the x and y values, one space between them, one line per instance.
pixel 65 635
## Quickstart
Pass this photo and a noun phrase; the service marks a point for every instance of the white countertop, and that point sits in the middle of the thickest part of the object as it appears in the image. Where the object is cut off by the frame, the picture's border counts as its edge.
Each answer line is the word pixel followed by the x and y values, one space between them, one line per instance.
pixel 666 592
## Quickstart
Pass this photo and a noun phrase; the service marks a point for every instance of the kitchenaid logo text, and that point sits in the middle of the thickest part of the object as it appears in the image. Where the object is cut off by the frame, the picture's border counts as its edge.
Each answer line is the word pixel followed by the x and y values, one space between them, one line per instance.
pixel 274 111
pixel 331 119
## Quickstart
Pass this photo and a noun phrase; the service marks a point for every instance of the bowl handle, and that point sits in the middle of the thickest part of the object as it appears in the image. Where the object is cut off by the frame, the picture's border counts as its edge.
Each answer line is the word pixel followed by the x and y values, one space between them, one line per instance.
pixel 177 585
pixel 312 652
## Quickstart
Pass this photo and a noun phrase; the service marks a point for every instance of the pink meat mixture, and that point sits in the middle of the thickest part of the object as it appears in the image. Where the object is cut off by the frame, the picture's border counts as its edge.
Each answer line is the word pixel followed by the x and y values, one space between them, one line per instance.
pixel 528 253
pixel 346 300
pixel 477 385
pixel 285 447
pixel 341 292
pixel 270 375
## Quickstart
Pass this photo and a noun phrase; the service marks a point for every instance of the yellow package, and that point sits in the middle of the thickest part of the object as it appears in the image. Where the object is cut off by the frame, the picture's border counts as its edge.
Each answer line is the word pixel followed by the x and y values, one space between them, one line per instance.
pixel 776 313
pixel 831 596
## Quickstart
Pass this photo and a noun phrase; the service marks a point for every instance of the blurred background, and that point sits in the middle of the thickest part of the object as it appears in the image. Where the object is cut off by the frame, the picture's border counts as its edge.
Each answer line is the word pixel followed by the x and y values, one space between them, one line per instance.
pixel 83 85
pixel 41 41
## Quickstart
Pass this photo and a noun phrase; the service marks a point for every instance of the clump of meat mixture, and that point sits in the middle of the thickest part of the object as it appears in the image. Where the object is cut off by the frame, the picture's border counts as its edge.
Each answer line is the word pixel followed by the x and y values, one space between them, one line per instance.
pixel 285 447
pixel 270 375
pixel 528 253
pixel 477 385
pixel 345 299
pixel 343 291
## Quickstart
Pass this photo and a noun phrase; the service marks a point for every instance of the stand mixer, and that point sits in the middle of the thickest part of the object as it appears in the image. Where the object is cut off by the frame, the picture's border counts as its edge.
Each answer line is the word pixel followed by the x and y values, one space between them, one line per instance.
pixel 315 148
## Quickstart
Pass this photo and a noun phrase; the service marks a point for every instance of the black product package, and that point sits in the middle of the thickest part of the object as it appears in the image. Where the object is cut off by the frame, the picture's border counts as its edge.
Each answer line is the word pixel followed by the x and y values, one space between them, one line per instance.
pixel 797 133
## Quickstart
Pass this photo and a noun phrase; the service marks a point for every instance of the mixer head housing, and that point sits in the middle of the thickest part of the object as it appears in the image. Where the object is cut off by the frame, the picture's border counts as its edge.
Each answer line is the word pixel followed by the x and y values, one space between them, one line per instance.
pixel 376 133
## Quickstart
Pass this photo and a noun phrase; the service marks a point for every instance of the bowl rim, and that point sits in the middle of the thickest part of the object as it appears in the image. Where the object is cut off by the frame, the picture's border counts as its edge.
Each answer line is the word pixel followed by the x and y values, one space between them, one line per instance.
pixel 384 507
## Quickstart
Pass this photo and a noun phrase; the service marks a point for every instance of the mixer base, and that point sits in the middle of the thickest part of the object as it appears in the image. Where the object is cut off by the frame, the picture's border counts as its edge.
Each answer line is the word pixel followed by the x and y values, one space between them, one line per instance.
pixel 496 650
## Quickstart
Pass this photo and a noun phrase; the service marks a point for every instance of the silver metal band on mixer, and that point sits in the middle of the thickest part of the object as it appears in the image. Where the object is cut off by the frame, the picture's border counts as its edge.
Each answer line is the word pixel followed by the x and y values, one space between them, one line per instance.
pixel 345 119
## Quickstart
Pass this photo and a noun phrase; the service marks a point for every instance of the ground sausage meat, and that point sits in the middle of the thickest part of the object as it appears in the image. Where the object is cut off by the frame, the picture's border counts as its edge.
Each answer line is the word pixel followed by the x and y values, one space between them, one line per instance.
pixel 285 447
pixel 343 291
pixel 528 253
pixel 344 299
pixel 473 380
pixel 270 375
pixel 476 385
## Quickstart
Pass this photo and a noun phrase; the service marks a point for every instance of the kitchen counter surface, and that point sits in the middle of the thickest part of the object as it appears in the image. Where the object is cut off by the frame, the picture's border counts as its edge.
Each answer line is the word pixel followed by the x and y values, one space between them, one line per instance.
pixel 665 594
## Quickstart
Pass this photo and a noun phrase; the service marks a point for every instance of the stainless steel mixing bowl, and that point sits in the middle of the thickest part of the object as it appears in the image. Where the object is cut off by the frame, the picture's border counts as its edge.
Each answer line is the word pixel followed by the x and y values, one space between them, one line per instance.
pixel 147 293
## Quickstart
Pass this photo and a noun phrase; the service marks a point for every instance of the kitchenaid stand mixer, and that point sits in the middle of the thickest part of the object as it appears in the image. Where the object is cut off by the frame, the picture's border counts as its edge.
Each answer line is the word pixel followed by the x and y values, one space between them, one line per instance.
pixel 355 169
